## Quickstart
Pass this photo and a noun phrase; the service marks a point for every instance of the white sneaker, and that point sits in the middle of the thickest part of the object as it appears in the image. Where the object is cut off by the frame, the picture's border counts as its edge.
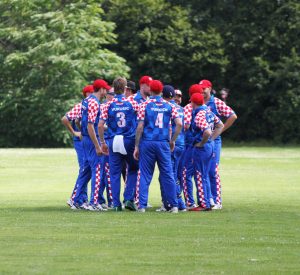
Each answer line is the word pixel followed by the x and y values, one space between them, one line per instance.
pixel 70 202
pixel 191 207
pixel 99 207
pixel 141 210
pixel 161 209
pixel 183 210
pixel 149 205
pixel 104 206
pixel 174 210
pixel 212 203
pixel 92 208
pixel 84 206
pixel 217 207
pixel 74 207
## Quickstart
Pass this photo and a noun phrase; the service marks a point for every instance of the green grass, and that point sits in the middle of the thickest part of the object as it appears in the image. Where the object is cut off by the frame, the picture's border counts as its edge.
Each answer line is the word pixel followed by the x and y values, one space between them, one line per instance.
pixel 258 231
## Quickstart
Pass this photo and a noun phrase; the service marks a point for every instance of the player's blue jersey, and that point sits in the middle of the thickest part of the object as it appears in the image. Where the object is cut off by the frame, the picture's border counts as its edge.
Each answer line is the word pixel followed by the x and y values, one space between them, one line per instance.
pixel 106 133
pixel 202 119
pixel 120 116
pixel 157 115
pixel 181 136
pixel 138 97
pixel 90 113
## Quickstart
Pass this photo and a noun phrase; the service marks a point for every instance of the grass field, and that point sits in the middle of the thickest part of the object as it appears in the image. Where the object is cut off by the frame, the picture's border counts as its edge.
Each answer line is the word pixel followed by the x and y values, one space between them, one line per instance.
pixel 258 231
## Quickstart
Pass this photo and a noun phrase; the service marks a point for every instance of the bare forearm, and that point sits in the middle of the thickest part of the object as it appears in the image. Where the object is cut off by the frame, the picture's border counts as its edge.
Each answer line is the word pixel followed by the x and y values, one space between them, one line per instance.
pixel 68 125
pixel 217 131
pixel 229 122
pixel 205 138
pixel 138 135
pixel 101 132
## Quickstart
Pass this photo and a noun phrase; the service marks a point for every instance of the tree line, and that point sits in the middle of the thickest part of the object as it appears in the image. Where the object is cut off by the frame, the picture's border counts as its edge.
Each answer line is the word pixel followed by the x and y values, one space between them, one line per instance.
pixel 50 49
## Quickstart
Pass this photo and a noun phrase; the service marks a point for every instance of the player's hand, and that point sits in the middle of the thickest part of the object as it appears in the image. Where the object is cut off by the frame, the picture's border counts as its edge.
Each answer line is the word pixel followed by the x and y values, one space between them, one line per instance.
pixel 172 145
pixel 136 153
pixel 78 134
pixel 104 149
pixel 186 127
pixel 98 151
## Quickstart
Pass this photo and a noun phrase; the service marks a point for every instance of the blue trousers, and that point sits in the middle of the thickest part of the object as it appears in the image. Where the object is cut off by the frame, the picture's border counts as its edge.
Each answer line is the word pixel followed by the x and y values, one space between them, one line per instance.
pixel 150 153
pixel 214 177
pixel 187 171
pixel 201 162
pixel 83 175
pixel 116 163
pixel 93 163
pixel 105 183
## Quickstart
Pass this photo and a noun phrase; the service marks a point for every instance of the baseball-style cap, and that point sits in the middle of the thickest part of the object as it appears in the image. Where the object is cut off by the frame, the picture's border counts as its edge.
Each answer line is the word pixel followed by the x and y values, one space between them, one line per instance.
pixel 145 80
pixel 156 86
pixel 131 85
pixel 111 92
pixel 197 98
pixel 87 89
pixel 100 83
pixel 205 83
pixel 196 88
pixel 168 91
pixel 178 93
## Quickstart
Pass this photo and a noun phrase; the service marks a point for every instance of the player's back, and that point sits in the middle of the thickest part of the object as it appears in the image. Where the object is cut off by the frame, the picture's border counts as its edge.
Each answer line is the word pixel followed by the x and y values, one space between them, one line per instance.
pixel 181 136
pixel 121 118
pixel 158 114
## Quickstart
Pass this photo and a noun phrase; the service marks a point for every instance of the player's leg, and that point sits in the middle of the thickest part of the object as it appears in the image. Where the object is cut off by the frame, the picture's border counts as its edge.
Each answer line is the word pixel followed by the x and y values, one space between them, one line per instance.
pixel 186 176
pixel 201 160
pixel 164 162
pixel 214 176
pixel 132 171
pixel 107 180
pixel 147 165
pixel 115 165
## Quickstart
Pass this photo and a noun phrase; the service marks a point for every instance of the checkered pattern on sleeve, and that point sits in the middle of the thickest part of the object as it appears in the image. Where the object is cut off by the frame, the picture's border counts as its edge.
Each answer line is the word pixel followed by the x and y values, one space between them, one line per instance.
pixel 93 109
pixel 222 108
pixel 216 120
pixel 188 110
pixel 200 120
pixel 134 104
pixel 142 109
pixel 74 113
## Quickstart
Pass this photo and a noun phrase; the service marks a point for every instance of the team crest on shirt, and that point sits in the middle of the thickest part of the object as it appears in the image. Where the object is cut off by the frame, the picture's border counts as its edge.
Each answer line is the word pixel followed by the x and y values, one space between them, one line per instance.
pixel 158 104
pixel 119 103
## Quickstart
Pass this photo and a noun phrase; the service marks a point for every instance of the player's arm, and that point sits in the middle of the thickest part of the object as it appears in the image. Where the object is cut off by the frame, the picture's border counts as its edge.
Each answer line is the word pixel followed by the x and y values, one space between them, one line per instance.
pixel 218 130
pixel 178 128
pixel 101 129
pixel 65 121
pixel 229 121
pixel 205 137
pixel 138 135
pixel 94 139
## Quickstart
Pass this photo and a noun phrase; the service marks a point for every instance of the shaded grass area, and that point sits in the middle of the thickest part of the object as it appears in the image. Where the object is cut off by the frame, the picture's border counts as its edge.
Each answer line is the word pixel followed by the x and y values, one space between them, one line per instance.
pixel 258 231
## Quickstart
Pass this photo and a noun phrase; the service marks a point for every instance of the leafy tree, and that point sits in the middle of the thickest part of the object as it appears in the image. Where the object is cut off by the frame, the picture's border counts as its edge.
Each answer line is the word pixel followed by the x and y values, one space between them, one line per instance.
pixel 48 51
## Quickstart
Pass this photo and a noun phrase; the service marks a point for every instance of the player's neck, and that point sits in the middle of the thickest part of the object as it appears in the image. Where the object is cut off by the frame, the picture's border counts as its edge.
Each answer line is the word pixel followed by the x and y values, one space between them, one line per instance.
pixel 206 99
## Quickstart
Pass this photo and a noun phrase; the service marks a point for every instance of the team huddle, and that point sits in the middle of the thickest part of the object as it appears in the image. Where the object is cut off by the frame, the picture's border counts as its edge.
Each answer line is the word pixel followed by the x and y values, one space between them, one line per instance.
pixel 118 132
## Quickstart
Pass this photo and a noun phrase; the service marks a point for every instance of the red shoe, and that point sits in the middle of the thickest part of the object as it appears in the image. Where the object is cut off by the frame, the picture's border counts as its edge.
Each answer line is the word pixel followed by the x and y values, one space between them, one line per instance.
pixel 199 208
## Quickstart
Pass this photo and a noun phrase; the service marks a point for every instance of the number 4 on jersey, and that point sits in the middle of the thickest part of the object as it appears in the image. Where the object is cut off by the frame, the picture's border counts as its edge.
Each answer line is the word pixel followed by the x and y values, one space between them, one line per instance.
pixel 159 120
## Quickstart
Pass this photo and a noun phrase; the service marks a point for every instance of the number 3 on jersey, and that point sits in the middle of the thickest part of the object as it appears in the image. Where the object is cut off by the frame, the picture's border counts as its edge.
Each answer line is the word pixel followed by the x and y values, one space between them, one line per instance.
pixel 121 122
pixel 159 120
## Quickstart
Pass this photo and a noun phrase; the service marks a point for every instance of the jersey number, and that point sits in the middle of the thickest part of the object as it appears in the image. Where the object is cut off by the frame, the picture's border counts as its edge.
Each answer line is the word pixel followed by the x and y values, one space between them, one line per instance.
pixel 121 122
pixel 159 120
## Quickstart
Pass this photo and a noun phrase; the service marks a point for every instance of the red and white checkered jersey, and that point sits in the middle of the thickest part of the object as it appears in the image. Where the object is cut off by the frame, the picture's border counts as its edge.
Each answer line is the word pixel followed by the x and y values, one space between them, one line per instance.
pixel 222 108
pixel 74 113
pixel 188 111
pixel 201 120
pixel 93 109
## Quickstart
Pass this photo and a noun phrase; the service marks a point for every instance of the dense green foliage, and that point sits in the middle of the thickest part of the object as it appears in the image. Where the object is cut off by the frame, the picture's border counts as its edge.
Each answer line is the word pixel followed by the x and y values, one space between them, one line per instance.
pixel 257 231
pixel 50 49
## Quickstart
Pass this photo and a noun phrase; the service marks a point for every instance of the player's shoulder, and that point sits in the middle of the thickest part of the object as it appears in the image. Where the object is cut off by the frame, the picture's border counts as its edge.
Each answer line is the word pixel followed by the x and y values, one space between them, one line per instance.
pixel 218 101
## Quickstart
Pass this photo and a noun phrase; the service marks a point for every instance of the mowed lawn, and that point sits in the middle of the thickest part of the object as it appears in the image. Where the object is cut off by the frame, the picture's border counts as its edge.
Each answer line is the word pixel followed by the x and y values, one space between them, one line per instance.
pixel 258 231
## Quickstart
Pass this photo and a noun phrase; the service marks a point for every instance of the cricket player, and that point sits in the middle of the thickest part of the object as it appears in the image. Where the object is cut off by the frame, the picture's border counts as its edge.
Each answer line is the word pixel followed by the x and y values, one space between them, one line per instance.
pixel 120 116
pixel 178 97
pixel 186 169
pixel 154 119
pixel 205 127
pixel 69 121
pixel 221 110
pixel 144 92
pixel 90 112
pixel 169 95
pixel 130 89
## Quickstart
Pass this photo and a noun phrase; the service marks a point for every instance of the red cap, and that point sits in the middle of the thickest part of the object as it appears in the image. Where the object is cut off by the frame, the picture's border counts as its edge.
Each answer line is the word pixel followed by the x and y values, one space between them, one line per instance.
pixel 196 88
pixel 100 83
pixel 156 86
pixel 197 99
pixel 205 83
pixel 145 80
pixel 88 89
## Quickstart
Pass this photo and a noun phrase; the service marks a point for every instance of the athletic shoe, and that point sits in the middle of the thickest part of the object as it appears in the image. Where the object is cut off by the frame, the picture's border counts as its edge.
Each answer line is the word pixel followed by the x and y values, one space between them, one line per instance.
pixel 191 207
pixel 70 202
pixel 212 203
pixel 161 209
pixel 99 207
pixel 130 205
pixel 92 208
pixel 104 205
pixel 141 210
pixel 182 210
pixel 74 207
pixel 84 206
pixel 117 209
pixel 217 207
pixel 174 210
pixel 199 208
pixel 149 205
